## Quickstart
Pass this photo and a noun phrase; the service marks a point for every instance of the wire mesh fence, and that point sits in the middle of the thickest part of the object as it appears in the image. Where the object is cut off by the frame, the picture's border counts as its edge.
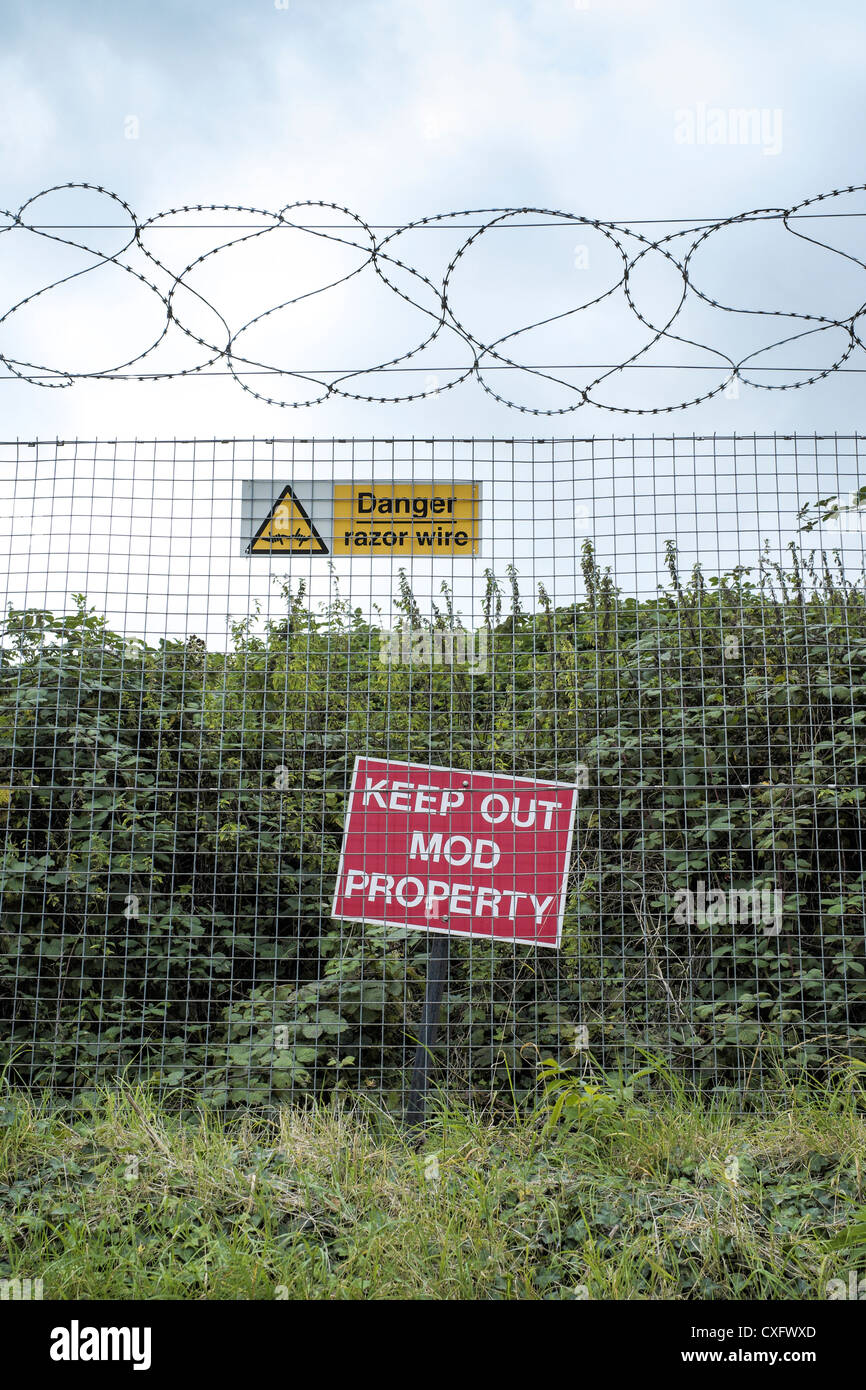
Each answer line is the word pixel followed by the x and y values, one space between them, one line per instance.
pixel 202 637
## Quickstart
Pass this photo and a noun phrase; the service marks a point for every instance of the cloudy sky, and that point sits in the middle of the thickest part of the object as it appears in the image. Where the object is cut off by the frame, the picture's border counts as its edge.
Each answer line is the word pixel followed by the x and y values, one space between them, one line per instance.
pixel 617 110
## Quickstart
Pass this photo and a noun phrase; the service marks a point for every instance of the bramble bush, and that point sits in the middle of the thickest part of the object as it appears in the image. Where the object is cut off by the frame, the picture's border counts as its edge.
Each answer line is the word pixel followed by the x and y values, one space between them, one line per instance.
pixel 173 820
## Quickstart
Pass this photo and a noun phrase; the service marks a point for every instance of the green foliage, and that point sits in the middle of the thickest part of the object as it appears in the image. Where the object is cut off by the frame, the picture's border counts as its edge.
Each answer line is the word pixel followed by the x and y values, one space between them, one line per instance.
pixel 173 819
pixel 578 1098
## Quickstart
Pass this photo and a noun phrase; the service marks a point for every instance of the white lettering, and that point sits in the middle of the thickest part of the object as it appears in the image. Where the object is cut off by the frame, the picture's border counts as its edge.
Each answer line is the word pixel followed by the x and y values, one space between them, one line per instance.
pixel 487 811
pixel 375 789
pixel 550 807
pixel 540 905
pixel 380 883
pixel 401 890
pixel 418 849
pixel 461 899
pixel 399 800
pixel 495 852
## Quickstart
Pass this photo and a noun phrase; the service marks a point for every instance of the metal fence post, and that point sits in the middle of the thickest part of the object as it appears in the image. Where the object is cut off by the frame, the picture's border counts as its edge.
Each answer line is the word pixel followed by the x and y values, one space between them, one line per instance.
pixel 437 973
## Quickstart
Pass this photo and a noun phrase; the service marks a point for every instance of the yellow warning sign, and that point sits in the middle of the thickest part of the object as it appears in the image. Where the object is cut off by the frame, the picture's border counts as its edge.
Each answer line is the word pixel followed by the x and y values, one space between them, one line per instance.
pixel 287 529
pixel 406 518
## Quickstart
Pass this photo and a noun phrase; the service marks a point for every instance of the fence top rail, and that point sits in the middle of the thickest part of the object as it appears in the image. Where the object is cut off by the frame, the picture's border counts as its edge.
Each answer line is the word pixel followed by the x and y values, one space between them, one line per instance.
pixel 675 438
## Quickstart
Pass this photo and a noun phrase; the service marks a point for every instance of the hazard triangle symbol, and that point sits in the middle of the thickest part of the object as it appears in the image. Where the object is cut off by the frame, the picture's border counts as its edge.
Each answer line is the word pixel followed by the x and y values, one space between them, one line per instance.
pixel 286 530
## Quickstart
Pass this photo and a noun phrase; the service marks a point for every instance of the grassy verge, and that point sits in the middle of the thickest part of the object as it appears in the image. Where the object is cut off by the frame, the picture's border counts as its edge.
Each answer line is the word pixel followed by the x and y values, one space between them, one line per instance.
pixel 125 1199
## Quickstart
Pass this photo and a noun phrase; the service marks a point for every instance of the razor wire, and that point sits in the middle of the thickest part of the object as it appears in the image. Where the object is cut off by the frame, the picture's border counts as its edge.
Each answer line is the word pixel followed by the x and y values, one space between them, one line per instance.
pixel 445 324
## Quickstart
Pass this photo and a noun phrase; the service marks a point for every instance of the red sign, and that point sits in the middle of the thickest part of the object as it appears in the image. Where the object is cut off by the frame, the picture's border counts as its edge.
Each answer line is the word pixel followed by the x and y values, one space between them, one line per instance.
pixel 437 849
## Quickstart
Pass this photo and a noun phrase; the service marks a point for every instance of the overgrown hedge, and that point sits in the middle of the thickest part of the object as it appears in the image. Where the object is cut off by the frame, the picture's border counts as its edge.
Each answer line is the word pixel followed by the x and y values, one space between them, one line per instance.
pixel 173 819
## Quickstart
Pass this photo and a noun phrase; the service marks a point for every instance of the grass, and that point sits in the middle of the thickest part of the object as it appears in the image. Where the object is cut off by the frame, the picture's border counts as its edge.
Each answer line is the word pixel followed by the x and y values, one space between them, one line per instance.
pixel 122 1198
